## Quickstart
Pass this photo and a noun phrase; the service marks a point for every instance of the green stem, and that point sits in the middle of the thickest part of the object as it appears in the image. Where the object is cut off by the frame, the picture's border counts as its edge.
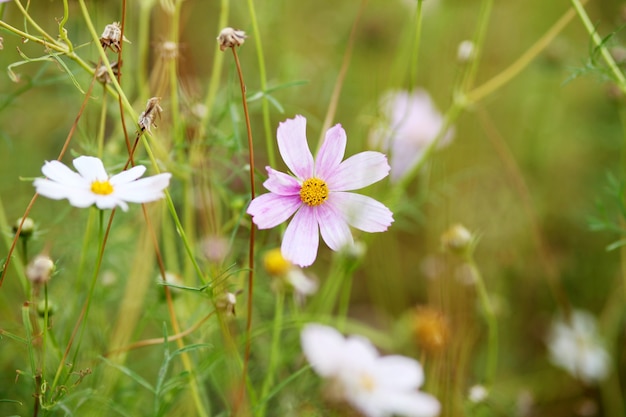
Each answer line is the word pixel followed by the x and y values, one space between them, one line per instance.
pixel 597 39
pixel 269 139
pixel 490 318
pixel 479 40
pixel 103 117
pixel 416 46
pixel 274 352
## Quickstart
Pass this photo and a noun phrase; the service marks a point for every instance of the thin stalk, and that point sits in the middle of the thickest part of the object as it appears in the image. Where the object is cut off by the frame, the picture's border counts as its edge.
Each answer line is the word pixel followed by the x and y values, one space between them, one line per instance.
pixel 244 101
pixel 413 63
pixel 479 40
pixel 490 318
pixel 275 351
pixel 597 39
pixel 265 110
pixel 522 62
pixel 345 64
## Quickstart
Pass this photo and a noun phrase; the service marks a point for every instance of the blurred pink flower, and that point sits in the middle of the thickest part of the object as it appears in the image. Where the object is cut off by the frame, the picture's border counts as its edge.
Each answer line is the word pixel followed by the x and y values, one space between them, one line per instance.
pixel 317 193
pixel 376 386
pixel 410 123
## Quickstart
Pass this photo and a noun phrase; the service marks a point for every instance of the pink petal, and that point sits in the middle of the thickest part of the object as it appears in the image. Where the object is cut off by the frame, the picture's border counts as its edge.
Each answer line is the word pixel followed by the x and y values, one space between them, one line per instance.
pixel 90 168
pixel 294 148
pixel 60 173
pixel 362 212
pixel 301 238
pixel 333 227
pixel 127 176
pixel 280 183
pixel 269 210
pixel 332 151
pixel 358 171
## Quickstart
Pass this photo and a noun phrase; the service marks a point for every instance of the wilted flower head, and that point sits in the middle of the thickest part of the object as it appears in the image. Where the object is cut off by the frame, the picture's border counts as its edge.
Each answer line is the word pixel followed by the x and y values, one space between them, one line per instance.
pixel 431 329
pixel 40 269
pixel 318 193
pixel 112 37
pixel 148 117
pixel 575 346
pixel 102 73
pixel 230 37
pixel 410 122
pixel 376 386
pixel 92 185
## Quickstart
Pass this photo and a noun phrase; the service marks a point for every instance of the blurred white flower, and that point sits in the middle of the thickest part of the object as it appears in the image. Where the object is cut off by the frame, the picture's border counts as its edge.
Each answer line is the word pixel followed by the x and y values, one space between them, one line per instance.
pixel 577 347
pixel 478 394
pixel 465 51
pixel 410 122
pixel 376 386
pixel 92 185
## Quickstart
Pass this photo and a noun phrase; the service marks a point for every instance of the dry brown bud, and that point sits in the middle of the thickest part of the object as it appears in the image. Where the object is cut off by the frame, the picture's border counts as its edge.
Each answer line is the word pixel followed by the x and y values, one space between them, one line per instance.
pixel 111 37
pixel 150 114
pixel 229 38
pixel 102 75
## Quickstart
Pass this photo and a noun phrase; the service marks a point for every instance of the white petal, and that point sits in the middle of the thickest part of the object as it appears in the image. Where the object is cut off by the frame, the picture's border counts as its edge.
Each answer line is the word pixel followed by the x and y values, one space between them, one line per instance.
pixel 143 190
pixel 408 403
pixel 90 168
pixel 399 372
pixel 323 347
pixel 128 176
pixel 59 172
pixel 333 227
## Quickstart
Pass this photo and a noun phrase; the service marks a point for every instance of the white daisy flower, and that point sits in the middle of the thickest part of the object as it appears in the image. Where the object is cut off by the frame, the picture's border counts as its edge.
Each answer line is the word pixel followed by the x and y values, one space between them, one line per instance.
pixel 376 386
pixel 92 185
pixel 576 346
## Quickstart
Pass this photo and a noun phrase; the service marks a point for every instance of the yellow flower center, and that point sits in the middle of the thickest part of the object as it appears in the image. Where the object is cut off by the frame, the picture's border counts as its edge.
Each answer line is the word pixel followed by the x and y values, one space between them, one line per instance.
pixel 367 382
pixel 101 187
pixel 313 192
pixel 275 264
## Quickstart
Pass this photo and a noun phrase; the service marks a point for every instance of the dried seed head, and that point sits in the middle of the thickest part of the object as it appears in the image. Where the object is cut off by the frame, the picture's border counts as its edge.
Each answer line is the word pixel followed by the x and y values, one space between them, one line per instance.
pixel 168 50
pixel 28 227
pixel 102 75
pixel 111 37
pixel 40 269
pixel 226 302
pixel 229 38
pixel 150 114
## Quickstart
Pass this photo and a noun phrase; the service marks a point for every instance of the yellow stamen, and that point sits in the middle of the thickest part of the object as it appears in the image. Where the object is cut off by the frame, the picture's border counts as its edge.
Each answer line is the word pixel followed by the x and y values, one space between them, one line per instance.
pixel 101 187
pixel 367 382
pixel 314 192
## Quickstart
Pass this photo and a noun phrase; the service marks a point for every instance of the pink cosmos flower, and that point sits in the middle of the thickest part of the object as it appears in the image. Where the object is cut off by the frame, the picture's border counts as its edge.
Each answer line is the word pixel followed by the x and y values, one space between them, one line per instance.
pixel 409 125
pixel 318 193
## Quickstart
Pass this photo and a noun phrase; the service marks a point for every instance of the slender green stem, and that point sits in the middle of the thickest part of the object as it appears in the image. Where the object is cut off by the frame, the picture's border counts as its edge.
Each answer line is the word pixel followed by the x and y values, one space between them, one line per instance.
pixel 479 40
pixel 522 62
pixel 490 318
pixel 269 138
pixel 103 119
pixel 413 64
pixel 275 352
pixel 34 24
pixel 597 39
pixel 62 31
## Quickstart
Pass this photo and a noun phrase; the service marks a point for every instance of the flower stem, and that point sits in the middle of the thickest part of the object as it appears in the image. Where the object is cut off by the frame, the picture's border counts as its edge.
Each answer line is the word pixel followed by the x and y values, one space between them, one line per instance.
pixel 522 62
pixel 600 44
pixel 269 138
pixel 490 318
pixel 246 358
pixel 274 352
pixel 413 64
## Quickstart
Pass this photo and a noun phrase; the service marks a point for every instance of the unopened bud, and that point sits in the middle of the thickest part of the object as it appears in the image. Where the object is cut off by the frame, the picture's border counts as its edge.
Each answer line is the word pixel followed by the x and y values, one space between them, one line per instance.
pixel 40 269
pixel 229 38
pixel 28 227
pixel 41 308
pixel 465 52
pixel 226 303
pixel 457 239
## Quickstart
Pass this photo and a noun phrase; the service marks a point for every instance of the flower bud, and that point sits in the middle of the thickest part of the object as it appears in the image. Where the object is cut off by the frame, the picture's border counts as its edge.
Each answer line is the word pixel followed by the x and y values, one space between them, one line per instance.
pixel 226 303
pixel 41 308
pixel 40 269
pixel 28 227
pixel 465 52
pixel 229 38
pixel 457 239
